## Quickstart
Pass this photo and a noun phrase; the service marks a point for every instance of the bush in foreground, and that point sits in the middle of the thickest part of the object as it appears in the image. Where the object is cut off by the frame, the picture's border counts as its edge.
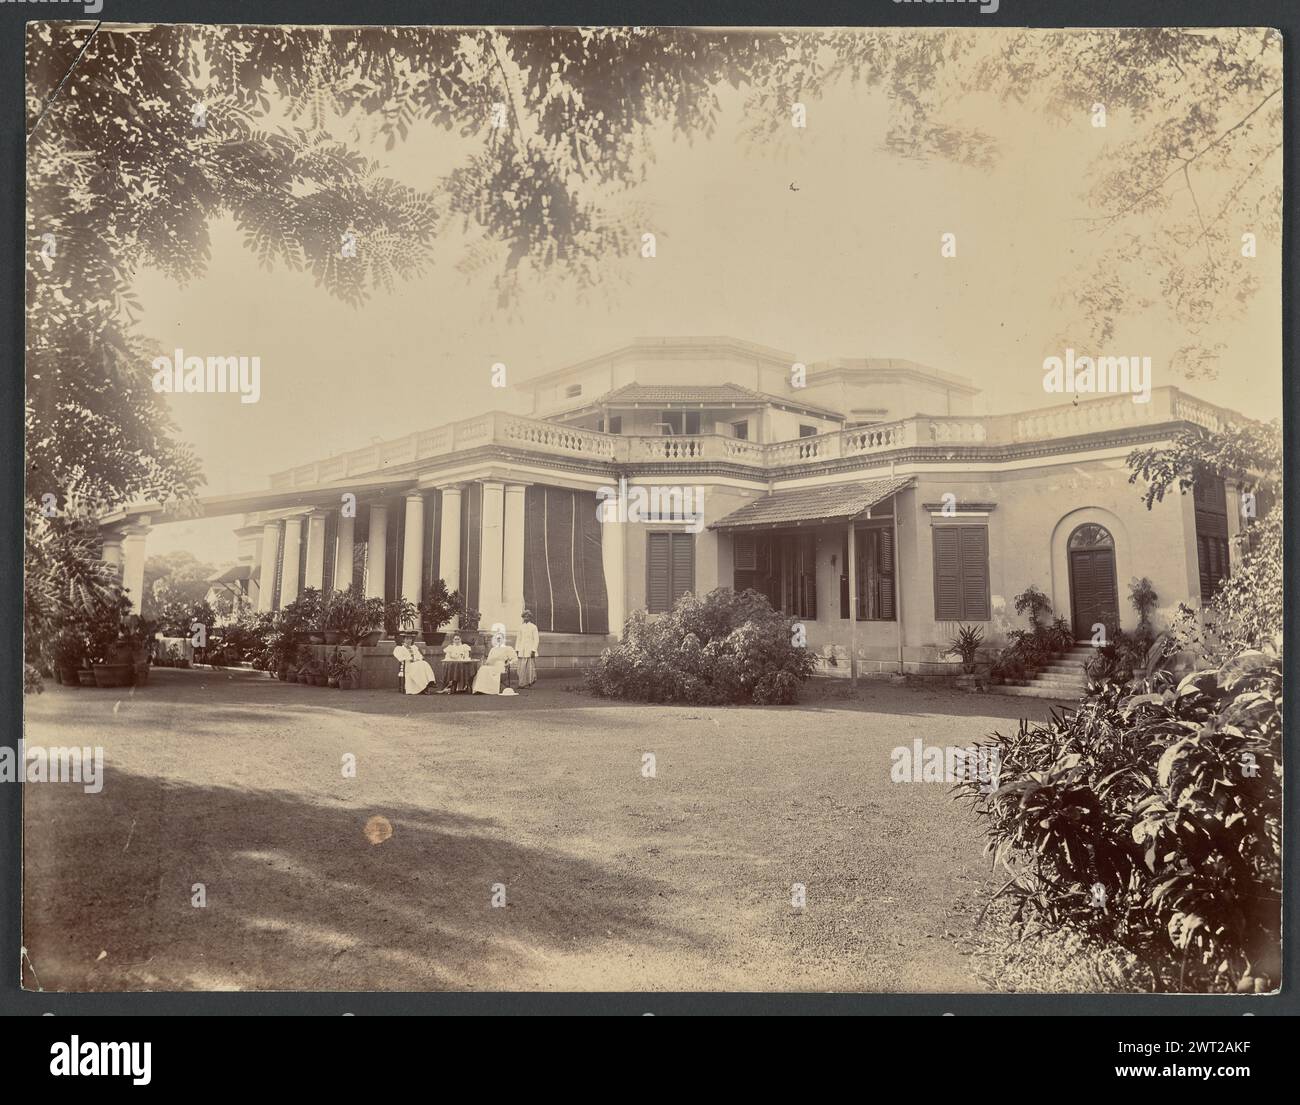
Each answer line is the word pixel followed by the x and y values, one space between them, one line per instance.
pixel 723 647
pixel 1148 820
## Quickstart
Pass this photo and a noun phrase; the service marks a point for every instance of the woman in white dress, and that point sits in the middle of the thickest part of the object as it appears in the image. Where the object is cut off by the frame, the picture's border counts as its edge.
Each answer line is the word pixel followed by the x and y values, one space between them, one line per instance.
pixel 493 670
pixel 419 675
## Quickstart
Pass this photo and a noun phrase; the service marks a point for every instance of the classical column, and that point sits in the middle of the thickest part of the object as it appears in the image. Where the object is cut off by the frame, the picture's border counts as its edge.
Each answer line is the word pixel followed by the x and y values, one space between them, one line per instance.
pixel 613 550
pixel 112 553
pixel 512 564
pixel 449 544
pixel 346 536
pixel 490 556
pixel 266 581
pixel 289 563
pixel 316 550
pixel 133 564
pixel 413 548
pixel 376 543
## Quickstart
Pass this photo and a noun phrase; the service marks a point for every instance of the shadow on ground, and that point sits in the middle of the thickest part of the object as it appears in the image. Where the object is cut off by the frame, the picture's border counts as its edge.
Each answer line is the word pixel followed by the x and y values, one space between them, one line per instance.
pixel 110 888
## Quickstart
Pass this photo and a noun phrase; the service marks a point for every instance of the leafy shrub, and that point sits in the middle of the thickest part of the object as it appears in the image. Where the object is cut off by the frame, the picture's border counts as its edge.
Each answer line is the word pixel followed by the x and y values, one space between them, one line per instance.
pixel 1033 603
pixel 1161 799
pixel 718 648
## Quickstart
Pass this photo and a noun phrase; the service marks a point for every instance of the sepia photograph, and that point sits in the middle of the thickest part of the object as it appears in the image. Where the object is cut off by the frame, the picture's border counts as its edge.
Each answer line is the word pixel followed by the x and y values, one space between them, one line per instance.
pixel 825 485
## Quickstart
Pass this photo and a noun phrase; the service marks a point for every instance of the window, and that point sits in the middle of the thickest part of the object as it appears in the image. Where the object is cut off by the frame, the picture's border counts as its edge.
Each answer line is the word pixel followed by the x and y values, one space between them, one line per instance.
pixel 798 559
pixel 740 430
pixel 961 573
pixel 573 391
pixel 679 422
pixel 670 569
pixel 875 574
pixel 1210 497
pixel 808 431
pixel 615 424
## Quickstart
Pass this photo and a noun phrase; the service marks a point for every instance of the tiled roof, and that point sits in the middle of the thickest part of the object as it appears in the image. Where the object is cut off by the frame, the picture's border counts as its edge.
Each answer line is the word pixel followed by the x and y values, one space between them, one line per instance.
pixel 829 503
pixel 720 394
pixel 230 575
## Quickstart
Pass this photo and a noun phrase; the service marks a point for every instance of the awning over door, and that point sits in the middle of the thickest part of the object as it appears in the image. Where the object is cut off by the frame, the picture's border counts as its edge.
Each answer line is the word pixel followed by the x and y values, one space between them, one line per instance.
pixel 808 506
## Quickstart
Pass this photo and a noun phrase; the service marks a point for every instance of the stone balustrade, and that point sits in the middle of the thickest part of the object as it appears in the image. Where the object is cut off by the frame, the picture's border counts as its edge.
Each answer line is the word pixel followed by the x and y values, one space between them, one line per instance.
pixel 538 435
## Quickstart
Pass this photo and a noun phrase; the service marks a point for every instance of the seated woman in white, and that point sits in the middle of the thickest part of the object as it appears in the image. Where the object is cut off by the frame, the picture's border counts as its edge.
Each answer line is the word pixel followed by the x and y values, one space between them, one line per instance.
pixel 419 675
pixel 456 650
pixel 494 668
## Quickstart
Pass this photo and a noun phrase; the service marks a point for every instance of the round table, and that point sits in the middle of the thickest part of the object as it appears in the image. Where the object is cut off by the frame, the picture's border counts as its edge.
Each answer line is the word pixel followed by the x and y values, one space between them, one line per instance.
pixel 459 675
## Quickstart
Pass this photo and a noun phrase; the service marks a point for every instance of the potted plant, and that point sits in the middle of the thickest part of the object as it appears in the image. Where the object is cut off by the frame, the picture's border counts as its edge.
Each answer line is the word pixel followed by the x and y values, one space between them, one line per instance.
pixel 359 620
pixel 437 608
pixel 400 614
pixel 347 674
pixel 966 645
pixel 110 657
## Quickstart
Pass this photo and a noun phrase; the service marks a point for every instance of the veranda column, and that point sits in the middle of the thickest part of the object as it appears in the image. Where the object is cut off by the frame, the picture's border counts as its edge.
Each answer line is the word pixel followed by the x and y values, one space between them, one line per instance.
pixel 376 542
pixel 316 550
pixel 112 552
pixel 266 582
pixel 490 556
pixel 345 537
pixel 289 562
pixel 133 564
pixel 449 544
pixel 512 568
pixel 413 548
pixel 613 551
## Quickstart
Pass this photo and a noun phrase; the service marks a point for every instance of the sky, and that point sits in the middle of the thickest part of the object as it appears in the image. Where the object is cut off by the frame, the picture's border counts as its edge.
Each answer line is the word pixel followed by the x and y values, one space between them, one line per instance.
pixel 819 243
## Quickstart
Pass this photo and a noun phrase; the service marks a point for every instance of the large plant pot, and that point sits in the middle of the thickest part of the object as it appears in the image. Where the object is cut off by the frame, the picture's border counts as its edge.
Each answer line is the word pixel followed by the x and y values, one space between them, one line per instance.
pixel 68 676
pixel 332 636
pixel 141 672
pixel 432 637
pixel 372 638
pixel 86 677
pixel 112 675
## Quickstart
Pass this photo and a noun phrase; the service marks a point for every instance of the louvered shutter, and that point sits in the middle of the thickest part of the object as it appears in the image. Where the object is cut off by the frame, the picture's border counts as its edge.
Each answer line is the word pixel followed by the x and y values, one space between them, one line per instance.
pixel 808 564
pixel 658 566
pixel 746 559
pixel 683 565
pixel 947 574
pixel 885 565
pixel 975 573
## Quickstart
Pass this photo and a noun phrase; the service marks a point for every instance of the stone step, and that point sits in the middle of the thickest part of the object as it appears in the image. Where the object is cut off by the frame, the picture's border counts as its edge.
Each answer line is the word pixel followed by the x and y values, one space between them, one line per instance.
pixel 1059 668
pixel 1059 681
pixel 1036 691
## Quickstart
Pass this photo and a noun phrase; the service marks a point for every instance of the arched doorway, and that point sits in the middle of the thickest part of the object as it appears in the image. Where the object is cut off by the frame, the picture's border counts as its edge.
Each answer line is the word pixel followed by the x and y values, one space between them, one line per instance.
pixel 1094 592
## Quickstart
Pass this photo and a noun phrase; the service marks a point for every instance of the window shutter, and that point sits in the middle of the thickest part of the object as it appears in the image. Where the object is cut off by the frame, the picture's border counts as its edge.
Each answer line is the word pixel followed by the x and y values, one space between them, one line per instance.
pixel 809 566
pixel 975 573
pixel 683 564
pixel 885 563
pixel 844 578
pixel 658 593
pixel 746 558
pixel 947 574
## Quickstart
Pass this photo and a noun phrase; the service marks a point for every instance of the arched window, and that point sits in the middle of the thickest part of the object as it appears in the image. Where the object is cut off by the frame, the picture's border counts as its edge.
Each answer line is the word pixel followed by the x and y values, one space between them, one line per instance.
pixel 1091 536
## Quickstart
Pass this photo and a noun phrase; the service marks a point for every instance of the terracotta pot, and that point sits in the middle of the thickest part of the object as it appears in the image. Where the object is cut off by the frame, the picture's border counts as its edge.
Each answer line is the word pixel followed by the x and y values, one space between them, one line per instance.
pixel 112 675
pixel 290 677
pixel 332 636
pixel 86 677
pixel 68 677
pixel 371 639
pixel 141 672
pixel 348 683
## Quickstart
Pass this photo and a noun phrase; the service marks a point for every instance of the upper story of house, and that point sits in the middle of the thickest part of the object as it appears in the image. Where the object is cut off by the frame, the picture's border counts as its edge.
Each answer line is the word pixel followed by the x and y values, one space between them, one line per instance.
pixel 730 407
pixel 729 388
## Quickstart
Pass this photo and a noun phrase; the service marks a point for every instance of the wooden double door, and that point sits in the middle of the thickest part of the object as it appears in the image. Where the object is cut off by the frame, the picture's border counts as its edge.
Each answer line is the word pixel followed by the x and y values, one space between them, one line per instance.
pixel 1094 591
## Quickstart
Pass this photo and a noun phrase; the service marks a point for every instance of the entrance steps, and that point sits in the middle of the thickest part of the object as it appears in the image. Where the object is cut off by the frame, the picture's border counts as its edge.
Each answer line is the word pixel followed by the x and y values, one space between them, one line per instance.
pixel 1061 679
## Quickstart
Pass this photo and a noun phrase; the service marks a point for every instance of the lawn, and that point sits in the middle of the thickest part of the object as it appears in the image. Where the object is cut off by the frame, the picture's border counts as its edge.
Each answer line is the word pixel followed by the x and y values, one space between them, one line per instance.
pixel 612 880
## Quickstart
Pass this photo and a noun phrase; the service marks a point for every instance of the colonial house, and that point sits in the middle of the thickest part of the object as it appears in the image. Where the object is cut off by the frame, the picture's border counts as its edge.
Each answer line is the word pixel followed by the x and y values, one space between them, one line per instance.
pixel 861 496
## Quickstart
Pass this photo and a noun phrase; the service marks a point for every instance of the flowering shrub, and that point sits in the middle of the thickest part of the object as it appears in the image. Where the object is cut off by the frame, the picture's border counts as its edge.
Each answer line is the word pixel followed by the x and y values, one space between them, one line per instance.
pixel 719 648
pixel 1149 818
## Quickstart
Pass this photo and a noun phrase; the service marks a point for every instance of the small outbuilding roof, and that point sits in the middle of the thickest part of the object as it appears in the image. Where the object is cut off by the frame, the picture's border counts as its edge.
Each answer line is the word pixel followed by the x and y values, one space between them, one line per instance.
pixel 837 502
